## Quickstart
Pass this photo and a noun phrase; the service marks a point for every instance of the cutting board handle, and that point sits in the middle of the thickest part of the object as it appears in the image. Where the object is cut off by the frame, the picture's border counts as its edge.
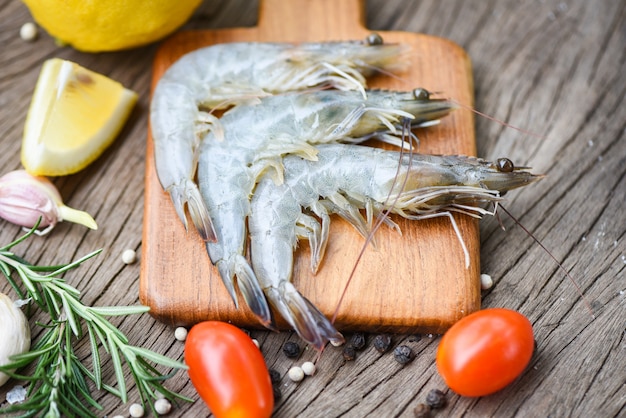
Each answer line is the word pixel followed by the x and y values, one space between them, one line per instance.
pixel 304 18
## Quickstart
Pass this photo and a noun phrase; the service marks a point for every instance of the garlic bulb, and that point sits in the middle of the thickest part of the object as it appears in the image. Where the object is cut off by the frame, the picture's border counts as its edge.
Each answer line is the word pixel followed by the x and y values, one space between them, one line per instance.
pixel 14 332
pixel 25 198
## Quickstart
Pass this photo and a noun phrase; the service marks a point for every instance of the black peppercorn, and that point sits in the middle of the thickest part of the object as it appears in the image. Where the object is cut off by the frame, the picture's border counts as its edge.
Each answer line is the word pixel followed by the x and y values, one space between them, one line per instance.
pixel 277 393
pixel 349 353
pixel 358 341
pixel 436 399
pixel 291 349
pixel 421 411
pixel 274 376
pixel 382 343
pixel 403 354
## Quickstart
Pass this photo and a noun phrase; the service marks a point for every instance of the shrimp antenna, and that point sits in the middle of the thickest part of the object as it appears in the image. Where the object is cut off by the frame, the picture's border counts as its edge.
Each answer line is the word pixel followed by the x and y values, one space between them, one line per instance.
pixel 558 263
pixel 382 216
pixel 501 122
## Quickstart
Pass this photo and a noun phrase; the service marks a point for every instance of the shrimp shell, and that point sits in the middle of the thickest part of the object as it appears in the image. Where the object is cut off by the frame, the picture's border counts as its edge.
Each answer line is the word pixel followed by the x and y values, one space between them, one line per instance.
pixel 255 139
pixel 344 180
pixel 229 74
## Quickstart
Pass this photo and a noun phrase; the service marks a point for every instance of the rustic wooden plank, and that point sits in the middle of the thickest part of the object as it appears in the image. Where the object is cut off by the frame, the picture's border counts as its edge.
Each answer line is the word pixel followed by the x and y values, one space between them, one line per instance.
pixel 415 282
pixel 555 67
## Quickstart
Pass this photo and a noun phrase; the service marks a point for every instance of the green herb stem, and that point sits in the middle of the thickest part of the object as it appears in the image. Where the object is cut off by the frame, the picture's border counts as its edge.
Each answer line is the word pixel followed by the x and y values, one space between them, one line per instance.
pixel 58 385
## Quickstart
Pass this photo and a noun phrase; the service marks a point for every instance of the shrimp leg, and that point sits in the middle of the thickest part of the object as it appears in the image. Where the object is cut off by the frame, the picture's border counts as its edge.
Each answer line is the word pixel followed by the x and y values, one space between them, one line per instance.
pixel 411 185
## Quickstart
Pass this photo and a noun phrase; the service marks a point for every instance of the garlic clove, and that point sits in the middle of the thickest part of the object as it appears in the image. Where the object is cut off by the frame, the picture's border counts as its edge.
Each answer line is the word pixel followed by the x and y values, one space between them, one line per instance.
pixel 25 198
pixel 14 332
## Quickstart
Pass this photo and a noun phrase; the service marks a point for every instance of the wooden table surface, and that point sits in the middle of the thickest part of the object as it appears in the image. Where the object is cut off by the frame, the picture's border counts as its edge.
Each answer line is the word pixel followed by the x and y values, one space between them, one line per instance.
pixel 552 67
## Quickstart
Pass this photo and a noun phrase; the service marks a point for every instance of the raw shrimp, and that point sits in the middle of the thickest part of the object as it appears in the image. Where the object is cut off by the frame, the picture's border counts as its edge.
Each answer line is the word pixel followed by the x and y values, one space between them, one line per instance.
pixel 228 74
pixel 257 136
pixel 344 180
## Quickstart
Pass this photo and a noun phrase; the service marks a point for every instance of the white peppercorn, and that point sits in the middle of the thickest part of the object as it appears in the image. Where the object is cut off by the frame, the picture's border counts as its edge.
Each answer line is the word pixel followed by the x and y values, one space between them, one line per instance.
pixel 486 282
pixel 180 333
pixel 308 367
pixel 296 374
pixel 162 406
pixel 129 256
pixel 28 31
pixel 136 410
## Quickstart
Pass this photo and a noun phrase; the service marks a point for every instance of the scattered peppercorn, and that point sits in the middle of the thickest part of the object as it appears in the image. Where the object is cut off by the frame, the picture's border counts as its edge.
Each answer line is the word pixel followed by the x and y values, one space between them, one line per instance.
pixel 129 256
pixel 275 379
pixel 403 354
pixel 136 410
pixel 277 393
pixel 382 343
pixel 162 406
pixel 415 338
pixel 274 376
pixel 180 333
pixel 349 353
pixel 358 341
pixel 486 282
pixel 421 411
pixel 291 349
pixel 296 374
pixel 29 31
pixel 308 367
pixel 436 399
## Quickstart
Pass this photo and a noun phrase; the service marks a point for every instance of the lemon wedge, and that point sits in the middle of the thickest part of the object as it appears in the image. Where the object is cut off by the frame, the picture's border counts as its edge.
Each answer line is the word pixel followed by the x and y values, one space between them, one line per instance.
pixel 75 114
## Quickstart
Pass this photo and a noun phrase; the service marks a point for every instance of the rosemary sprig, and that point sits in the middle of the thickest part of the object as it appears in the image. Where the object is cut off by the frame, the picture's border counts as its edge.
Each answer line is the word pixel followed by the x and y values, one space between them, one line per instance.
pixel 58 385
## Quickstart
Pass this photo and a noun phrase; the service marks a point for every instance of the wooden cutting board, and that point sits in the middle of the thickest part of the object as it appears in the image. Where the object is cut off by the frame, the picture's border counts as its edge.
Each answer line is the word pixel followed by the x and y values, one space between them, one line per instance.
pixel 414 282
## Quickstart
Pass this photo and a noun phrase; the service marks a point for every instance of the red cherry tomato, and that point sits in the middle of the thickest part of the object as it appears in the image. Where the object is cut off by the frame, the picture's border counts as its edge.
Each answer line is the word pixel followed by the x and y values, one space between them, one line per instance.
pixel 485 351
pixel 228 371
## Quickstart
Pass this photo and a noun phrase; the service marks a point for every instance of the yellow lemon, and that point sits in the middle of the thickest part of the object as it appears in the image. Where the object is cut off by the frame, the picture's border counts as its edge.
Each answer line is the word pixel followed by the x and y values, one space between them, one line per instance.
pixel 109 25
pixel 75 114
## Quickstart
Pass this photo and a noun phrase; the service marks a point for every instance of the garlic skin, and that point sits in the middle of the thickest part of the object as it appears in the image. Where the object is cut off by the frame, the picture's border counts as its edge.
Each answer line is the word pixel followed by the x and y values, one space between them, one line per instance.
pixel 14 332
pixel 25 198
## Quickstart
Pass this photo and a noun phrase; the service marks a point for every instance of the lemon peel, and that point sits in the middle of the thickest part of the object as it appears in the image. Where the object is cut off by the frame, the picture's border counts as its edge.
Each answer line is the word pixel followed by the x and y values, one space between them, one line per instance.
pixel 109 25
pixel 75 114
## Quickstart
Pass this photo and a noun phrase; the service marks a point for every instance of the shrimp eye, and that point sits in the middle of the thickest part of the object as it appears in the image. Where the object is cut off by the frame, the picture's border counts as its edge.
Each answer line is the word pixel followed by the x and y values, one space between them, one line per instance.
pixel 504 165
pixel 374 39
pixel 421 94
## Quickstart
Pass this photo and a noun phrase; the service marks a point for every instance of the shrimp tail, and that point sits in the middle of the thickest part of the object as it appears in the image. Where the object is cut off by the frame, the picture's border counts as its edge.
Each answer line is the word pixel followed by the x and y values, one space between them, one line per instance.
pixel 189 195
pixel 248 285
pixel 310 324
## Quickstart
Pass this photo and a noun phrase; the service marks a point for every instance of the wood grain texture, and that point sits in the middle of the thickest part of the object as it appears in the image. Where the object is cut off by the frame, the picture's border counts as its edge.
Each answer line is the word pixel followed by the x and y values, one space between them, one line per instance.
pixel 554 67
pixel 414 282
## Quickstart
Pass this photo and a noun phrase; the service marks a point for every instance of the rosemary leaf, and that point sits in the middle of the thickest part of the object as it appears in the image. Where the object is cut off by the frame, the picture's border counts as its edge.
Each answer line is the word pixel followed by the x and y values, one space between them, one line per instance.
pixel 95 355
pixel 6 271
pixel 73 264
pixel 118 310
pixel 20 360
pixel 119 371
pixel 106 387
pixel 69 314
pixel 62 286
pixel 58 384
pixel 155 357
